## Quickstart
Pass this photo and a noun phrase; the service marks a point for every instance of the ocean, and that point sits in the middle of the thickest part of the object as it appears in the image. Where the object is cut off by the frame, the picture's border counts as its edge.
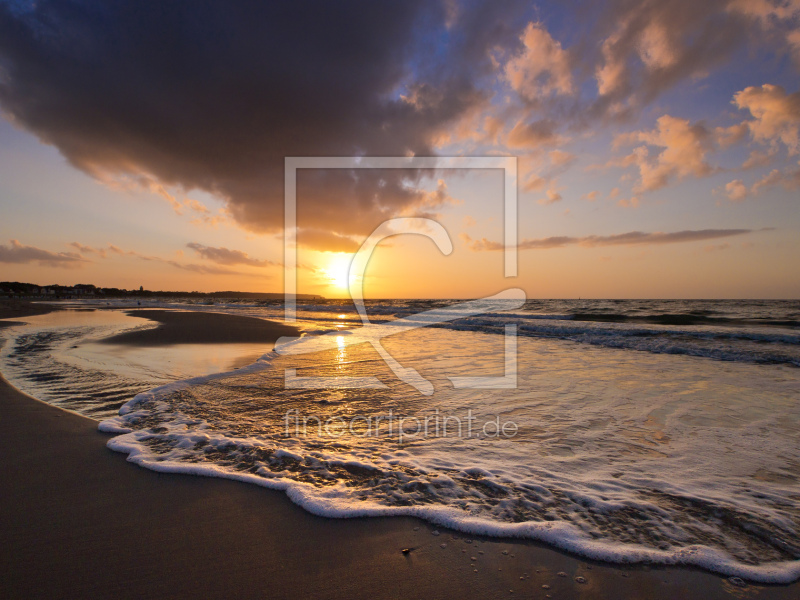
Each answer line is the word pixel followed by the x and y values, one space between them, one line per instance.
pixel 660 431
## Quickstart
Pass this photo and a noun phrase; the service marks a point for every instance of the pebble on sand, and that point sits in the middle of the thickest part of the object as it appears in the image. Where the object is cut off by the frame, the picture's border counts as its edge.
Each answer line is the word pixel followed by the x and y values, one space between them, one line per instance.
pixel 580 579
pixel 561 574
pixel 737 581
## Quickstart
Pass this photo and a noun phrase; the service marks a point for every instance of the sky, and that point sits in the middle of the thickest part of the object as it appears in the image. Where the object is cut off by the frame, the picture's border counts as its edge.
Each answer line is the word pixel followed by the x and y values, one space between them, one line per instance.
pixel 657 145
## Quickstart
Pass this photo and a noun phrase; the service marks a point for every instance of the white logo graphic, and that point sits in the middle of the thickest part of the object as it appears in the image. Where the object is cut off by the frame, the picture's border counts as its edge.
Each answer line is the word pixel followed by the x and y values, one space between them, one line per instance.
pixel 373 333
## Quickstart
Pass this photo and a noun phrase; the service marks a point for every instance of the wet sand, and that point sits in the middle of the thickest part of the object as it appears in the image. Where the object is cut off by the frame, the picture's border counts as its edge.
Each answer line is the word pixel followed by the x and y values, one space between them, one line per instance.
pixel 176 327
pixel 15 309
pixel 78 521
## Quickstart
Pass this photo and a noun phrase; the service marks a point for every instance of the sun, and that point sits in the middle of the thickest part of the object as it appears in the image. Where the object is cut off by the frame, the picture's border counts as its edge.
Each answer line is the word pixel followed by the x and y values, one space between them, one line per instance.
pixel 336 272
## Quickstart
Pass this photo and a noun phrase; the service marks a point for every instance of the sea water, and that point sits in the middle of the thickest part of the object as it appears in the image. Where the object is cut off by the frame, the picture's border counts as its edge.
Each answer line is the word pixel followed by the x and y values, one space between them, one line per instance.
pixel 659 431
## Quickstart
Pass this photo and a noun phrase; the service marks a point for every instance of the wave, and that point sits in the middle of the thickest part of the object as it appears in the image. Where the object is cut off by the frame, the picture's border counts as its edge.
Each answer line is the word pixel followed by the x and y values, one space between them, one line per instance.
pixel 653 476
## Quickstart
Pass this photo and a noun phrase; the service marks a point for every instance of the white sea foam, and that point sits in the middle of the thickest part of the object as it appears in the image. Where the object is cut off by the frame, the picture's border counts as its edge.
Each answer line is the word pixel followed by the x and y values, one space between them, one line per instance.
pixel 624 457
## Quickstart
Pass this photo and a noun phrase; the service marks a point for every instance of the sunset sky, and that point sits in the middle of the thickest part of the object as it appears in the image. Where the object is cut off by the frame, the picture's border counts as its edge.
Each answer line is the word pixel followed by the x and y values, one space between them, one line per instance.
pixel 658 144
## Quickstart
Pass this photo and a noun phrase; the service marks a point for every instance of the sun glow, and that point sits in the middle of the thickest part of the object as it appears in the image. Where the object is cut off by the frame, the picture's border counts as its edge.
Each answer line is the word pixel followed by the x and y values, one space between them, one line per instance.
pixel 336 272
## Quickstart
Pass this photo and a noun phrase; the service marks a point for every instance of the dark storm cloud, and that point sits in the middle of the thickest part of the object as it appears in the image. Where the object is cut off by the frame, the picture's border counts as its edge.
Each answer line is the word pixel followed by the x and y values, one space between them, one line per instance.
pixel 214 95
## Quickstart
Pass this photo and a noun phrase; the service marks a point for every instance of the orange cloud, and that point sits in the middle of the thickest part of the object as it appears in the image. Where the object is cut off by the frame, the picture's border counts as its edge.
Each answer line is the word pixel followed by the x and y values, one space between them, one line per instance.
pixel 533 135
pixel 776 115
pixel 632 202
pixel 552 196
pixel 685 147
pixel 757 159
pixel 735 190
pixel 542 68
pixel 559 158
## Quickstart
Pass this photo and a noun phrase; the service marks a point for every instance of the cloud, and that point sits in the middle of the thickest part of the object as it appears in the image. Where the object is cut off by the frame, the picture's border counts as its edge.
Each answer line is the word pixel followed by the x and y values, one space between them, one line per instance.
pixel 101 252
pixel 632 202
pixel 533 135
pixel 542 68
pixel 533 182
pixel 794 43
pixel 224 256
pixel 766 10
pixel 632 238
pixel 17 253
pixel 789 180
pixel 328 241
pixel 128 182
pixel 469 221
pixel 736 191
pixel 560 158
pixel 202 269
pixel 774 16
pixel 429 200
pixel 685 147
pixel 552 196
pixel 757 159
pixel 537 169
pixel 590 196
pixel 193 268
pixel 653 45
pixel 219 94
pixel 729 136
pixel 208 252
pixel 776 115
